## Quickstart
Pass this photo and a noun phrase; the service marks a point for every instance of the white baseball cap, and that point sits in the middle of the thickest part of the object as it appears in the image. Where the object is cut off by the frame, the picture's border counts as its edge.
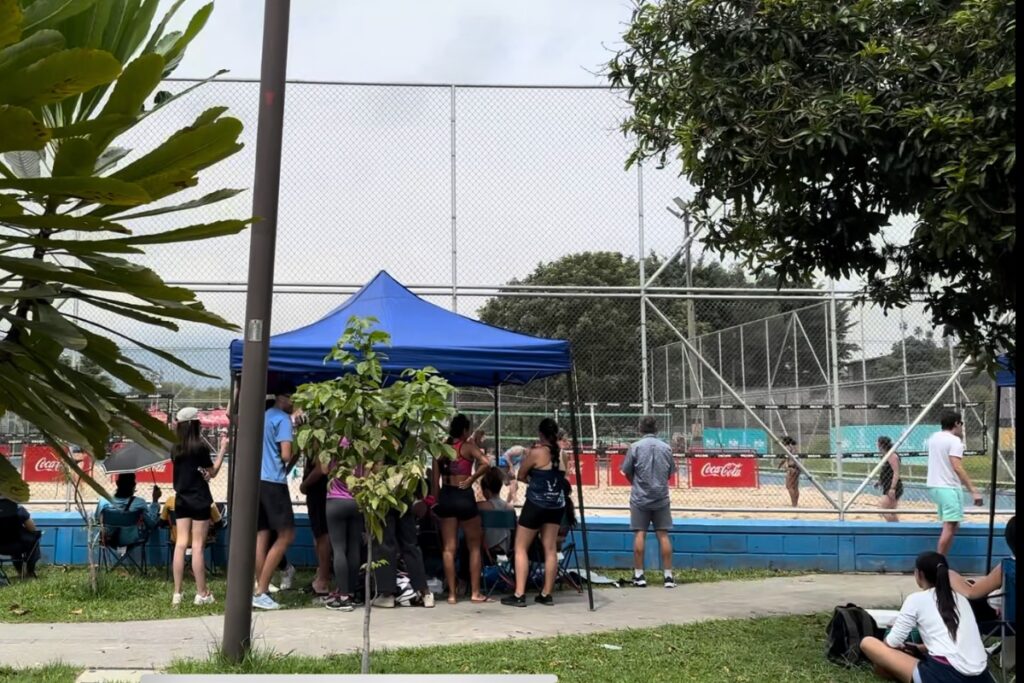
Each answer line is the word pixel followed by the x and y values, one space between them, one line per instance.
pixel 187 415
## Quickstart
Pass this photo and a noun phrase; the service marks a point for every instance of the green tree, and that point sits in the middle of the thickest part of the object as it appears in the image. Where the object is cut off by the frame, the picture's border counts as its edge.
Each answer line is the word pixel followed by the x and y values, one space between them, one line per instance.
pixel 75 76
pixel 818 121
pixel 374 432
pixel 605 331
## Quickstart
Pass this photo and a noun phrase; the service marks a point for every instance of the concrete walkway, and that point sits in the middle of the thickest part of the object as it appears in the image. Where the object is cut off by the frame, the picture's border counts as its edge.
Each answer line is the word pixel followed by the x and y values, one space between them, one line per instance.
pixel 155 644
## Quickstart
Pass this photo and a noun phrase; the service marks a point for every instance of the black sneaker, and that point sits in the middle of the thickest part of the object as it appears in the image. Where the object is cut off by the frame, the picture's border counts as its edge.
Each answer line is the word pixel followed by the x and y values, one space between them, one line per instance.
pixel 542 599
pixel 640 581
pixel 514 600
pixel 670 582
pixel 338 603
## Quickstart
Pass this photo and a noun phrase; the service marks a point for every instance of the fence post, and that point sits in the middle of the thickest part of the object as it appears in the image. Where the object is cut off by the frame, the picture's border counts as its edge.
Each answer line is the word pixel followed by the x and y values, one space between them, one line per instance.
pixel 455 249
pixel 644 395
pixel 834 343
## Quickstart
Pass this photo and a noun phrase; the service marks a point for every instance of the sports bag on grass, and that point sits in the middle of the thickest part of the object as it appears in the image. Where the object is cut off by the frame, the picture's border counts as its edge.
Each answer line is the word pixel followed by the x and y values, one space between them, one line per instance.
pixel 849 625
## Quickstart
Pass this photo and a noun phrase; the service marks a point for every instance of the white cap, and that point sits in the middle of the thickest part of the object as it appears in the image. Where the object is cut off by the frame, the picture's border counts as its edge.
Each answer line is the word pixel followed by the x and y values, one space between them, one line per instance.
pixel 187 415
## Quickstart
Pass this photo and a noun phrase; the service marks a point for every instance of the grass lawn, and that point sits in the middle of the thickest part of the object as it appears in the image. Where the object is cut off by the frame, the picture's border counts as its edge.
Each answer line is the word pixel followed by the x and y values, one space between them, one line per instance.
pixel 774 649
pixel 53 673
pixel 787 649
pixel 61 594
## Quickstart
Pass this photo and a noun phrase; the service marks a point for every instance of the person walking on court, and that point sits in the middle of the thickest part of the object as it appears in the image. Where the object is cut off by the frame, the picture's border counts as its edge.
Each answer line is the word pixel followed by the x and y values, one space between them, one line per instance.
pixel 945 474
pixel 648 466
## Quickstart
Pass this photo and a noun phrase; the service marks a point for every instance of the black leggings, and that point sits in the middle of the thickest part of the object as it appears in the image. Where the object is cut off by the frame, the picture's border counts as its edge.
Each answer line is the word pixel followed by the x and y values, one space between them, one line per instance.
pixel 345 527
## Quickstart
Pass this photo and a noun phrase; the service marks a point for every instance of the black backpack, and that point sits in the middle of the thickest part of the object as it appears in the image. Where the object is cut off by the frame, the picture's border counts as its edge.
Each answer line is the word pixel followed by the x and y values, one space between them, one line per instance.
pixel 849 625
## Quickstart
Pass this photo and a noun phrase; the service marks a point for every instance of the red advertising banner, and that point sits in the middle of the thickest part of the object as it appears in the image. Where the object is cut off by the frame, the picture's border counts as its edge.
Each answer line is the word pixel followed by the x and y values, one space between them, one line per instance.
pixel 161 473
pixel 40 464
pixel 615 476
pixel 730 473
pixel 588 468
pixel 5 450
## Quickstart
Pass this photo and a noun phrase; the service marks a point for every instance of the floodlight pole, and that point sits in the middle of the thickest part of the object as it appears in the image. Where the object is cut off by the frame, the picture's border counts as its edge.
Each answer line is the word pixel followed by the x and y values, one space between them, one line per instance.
pixel 246 464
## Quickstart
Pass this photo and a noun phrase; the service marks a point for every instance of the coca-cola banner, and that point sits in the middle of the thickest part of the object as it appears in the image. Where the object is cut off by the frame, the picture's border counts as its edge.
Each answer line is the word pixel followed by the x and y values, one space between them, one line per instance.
pixel 40 463
pixel 723 473
pixel 615 476
pixel 160 473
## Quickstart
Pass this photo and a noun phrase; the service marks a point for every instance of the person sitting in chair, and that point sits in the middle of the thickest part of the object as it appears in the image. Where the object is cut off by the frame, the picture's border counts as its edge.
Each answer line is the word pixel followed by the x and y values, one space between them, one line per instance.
pixel 496 540
pixel 125 500
pixel 979 591
pixel 22 542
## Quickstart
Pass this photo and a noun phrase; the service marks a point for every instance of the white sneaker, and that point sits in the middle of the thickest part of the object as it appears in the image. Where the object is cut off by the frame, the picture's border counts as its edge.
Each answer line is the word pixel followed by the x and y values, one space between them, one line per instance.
pixel 264 602
pixel 287 578
pixel 384 601
pixel 204 599
pixel 270 589
pixel 176 600
pixel 428 599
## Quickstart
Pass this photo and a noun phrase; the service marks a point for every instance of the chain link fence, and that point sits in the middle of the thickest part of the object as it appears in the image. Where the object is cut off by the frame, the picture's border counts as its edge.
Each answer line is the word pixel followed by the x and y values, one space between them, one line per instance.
pixel 476 197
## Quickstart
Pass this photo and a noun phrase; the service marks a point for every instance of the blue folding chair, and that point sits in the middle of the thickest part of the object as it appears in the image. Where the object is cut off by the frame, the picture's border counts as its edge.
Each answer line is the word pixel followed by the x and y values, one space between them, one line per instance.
pixel 122 534
pixel 1004 629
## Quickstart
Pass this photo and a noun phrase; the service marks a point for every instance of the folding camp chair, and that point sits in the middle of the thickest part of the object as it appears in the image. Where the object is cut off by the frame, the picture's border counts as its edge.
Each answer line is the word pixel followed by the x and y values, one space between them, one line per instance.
pixel 122 533
pixel 504 520
pixel 211 539
pixel 1004 631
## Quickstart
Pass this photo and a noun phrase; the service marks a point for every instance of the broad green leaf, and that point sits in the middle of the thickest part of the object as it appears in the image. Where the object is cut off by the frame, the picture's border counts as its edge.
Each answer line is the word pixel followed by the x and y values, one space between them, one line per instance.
pixel 12 486
pixel 47 321
pixel 211 198
pixel 1007 81
pixel 45 13
pixel 135 278
pixel 19 130
pixel 98 125
pixel 191 233
pixel 159 353
pixel 130 91
pixel 11 19
pixel 29 51
pixel 124 309
pixel 73 247
pixel 162 26
pixel 60 75
pixel 74 157
pixel 56 222
pixel 138 29
pixel 97 190
pixel 192 150
pixel 107 355
pixel 195 25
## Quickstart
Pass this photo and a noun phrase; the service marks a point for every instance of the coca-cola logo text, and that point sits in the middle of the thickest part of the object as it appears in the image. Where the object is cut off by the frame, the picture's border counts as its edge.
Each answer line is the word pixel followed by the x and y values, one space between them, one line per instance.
pixel 729 470
pixel 47 465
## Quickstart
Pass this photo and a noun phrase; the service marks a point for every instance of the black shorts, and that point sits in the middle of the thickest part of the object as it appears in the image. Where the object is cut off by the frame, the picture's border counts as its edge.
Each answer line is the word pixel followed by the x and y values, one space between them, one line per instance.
pixel 930 670
pixel 275 507
pixel 316 506
pixel 457 503
pixel 533 516
pixel 196 513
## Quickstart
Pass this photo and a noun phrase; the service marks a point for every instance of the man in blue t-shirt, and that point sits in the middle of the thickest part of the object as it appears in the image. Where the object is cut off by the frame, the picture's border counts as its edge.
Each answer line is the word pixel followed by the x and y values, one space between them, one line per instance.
pixel 275 511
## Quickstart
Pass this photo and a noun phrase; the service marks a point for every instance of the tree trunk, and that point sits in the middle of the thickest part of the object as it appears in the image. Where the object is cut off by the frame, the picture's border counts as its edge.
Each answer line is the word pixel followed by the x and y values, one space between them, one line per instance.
pixel 368 597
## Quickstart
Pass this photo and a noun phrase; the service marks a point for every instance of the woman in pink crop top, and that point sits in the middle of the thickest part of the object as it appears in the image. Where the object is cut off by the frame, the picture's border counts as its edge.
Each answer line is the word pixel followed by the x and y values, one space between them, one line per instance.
pixel 452 487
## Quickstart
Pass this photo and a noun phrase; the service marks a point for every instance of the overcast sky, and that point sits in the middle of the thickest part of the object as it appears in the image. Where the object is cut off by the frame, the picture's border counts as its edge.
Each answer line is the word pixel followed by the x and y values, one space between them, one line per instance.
pixel 367 181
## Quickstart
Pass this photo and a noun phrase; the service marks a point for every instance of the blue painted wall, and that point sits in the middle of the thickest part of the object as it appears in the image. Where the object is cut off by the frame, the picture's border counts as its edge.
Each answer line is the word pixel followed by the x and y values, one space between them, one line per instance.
pixel 707 544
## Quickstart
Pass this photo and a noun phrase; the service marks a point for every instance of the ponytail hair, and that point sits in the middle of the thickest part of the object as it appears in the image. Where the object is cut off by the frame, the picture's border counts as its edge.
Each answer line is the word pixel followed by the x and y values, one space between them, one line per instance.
pixel 548 429
pixel 459 425
pixel 935 571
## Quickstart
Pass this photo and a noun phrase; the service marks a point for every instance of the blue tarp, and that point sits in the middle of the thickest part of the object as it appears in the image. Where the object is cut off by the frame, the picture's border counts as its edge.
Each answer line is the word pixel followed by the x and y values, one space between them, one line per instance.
pixel 1005 377
pixel 466 352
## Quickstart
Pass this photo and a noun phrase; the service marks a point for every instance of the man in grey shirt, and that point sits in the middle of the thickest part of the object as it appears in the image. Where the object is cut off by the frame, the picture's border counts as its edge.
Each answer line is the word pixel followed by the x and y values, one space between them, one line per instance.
pixel 648 466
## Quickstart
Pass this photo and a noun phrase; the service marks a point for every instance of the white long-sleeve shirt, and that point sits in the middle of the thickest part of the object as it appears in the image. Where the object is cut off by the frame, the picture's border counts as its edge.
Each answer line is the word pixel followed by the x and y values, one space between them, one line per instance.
pixel 967 654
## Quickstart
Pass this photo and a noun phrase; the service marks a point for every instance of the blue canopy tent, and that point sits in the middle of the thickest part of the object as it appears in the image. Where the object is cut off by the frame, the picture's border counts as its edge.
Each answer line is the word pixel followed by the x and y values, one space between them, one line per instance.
pixel 1006 376
pixel 466 352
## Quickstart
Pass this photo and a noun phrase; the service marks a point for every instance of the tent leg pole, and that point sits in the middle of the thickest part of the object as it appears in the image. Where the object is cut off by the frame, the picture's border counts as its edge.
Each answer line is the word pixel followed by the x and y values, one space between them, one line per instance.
pixel 232 435
pixel 571 382
pixel 497 421
pixel 995 476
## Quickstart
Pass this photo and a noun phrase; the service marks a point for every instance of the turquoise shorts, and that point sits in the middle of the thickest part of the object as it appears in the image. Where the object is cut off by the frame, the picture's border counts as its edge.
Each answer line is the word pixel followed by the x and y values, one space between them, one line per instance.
pixel 949 501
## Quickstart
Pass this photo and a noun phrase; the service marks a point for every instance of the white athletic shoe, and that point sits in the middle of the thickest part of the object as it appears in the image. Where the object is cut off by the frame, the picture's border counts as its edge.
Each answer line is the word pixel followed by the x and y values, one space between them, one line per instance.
pixel 176 600
pixel 264 602
pixel 204 599
pixel 428 599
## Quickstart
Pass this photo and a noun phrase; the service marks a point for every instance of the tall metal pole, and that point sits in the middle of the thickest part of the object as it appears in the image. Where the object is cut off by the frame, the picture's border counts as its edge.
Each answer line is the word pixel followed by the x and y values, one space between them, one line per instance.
pixel 455 249
pixel 691 316
pixel 497 421
pixel 796 380
pixel 995 479
pixel 834 343
pixel 574 432
pixel 263 236
pixel 644 396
